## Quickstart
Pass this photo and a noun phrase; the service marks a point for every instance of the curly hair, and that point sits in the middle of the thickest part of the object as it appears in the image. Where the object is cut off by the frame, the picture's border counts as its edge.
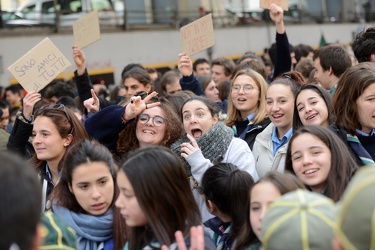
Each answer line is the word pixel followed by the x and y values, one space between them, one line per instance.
pixel 173 130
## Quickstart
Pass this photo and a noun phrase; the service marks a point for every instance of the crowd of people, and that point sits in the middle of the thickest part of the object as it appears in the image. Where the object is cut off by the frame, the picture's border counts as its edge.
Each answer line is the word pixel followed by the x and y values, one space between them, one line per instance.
pixel 274 151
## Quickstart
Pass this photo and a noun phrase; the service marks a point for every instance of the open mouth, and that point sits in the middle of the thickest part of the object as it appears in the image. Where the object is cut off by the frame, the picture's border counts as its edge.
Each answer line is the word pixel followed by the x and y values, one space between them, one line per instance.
pixel 196 133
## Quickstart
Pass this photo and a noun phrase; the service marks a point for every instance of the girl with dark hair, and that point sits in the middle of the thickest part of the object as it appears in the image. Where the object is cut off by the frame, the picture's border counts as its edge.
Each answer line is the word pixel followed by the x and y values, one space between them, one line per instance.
pixel 155 199
pixel 354 107
pixel 320 160
pixel 247 114
pixel 54 129
pixel 146 120
pixel 225 189
pixel 269 188
pixel 312 107
pixel 85 195
pixel 209 87
pixel 206 141
pixel 270 145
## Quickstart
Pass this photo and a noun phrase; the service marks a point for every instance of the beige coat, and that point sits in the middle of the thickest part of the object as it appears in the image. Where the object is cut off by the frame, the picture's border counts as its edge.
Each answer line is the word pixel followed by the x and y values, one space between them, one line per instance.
pixel 265 161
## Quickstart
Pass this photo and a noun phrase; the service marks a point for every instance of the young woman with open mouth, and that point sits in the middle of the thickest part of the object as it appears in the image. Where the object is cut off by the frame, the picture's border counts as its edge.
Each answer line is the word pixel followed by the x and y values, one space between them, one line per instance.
pixel 247 114
pixel 207 141
pixel 320 160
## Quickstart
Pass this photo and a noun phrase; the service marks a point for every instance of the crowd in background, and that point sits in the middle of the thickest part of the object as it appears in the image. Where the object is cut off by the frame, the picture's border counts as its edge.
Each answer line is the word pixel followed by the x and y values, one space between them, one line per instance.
pixel 273 151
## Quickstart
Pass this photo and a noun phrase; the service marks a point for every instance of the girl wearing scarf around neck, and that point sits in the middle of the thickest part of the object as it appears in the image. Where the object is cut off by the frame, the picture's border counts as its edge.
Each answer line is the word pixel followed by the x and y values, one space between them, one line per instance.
pixel 206 141
pixel 85 195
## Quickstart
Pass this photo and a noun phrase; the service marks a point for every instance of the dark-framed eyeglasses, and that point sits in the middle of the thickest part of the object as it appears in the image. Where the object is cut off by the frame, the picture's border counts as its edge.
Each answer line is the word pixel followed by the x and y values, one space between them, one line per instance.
pixel 247 88
pixel 156 120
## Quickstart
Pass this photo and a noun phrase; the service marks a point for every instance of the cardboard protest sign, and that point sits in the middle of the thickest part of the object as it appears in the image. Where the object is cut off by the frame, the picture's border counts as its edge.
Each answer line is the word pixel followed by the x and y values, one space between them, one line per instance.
pixel 198 35
pixel 38 67
pixel 265 4
pixel 86 29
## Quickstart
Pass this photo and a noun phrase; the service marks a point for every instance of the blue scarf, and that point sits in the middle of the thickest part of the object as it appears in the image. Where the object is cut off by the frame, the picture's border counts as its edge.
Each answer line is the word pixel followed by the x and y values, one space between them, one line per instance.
pixel 91 230
pixel 363 155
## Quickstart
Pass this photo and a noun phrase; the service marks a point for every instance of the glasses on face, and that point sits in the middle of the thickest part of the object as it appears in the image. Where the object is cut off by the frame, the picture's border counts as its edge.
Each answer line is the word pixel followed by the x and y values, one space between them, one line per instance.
pixel 156 120
pixel 247 88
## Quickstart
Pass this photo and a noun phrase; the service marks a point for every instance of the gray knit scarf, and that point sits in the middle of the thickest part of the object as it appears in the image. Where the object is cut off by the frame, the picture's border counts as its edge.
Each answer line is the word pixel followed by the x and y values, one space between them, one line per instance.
pixel 213 144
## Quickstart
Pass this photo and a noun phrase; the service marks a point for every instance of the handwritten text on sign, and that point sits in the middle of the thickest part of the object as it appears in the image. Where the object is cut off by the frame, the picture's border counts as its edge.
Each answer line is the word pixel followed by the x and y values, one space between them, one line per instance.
pixel 266 3
pixel 198 35
pixel 86 29
pixel 38 67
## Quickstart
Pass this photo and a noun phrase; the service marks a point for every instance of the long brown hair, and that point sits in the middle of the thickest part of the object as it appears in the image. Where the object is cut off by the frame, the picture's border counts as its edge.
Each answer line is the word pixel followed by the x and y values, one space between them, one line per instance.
pixel 163 193
pixel 342 163
pixel 350 86
pixel 81 153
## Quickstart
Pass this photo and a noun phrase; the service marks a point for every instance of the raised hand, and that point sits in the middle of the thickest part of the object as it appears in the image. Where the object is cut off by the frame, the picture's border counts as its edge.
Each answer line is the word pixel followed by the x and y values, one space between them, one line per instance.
pixel 29 102
pixel 276 13
pixel 184 64
pixel 79 59
pixel 92 104
pixel 137 106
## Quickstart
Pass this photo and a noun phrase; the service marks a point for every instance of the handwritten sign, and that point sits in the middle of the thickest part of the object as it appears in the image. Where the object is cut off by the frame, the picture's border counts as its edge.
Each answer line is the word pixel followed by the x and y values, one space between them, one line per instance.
pixel 198 35
pixel 38 67
pixel 265 4
pixel 86 29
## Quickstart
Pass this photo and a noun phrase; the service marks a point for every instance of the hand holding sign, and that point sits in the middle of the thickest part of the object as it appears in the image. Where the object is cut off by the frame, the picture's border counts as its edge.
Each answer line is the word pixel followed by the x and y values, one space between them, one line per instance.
pixel 38 67
pixel 265 4
pixel 198 35
pixel 276 13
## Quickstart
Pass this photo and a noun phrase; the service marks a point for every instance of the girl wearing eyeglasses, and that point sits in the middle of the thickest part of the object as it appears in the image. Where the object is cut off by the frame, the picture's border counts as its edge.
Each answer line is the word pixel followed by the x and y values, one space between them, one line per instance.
pixel 247 114
pixel 270 145
pixel 207 140
pixel 143 122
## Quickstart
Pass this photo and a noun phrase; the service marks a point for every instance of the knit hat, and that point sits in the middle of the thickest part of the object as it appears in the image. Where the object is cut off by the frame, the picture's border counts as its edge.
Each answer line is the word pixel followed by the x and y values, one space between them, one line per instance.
pixel 299 220
pixel 355 224
pixel 57 235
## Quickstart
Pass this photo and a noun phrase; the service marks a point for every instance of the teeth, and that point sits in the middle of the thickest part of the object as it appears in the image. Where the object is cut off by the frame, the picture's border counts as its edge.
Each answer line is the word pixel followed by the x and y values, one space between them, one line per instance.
pixel 311 117
pixel 310 171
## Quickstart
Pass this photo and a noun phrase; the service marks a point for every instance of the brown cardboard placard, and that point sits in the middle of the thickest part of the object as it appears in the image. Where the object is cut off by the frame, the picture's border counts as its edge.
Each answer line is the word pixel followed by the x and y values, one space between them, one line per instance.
pixel 39 66
pixel 86 29
pixel 198 35
pixel 265 4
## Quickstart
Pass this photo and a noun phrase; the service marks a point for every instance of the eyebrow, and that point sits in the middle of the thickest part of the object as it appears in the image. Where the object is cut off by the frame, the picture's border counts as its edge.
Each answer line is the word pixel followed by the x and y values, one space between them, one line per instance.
pixel 194 110
pixel 312 147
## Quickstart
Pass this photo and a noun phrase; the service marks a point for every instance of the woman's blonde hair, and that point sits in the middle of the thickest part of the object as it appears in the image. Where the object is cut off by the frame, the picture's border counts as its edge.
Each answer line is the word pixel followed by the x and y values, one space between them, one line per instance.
pixel 233 113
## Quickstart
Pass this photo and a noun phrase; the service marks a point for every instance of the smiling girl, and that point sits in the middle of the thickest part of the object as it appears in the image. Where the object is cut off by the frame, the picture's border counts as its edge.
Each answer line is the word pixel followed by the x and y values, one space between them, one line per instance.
pixel 312 107
pixel 85 196
pixel 320 160
pixel 207 140
pixel 270 145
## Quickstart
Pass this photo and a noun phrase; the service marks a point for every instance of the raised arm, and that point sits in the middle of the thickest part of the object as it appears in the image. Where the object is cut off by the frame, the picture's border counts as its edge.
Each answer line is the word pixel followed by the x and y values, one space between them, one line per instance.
pixel 188 80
